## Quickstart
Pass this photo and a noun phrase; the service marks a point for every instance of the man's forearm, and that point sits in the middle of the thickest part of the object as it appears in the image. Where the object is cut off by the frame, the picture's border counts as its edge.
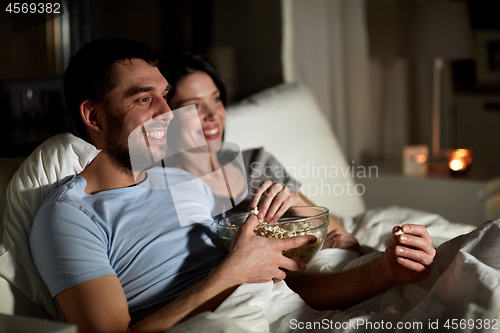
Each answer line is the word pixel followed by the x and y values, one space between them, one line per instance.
pixel 341 290
pixel 205 296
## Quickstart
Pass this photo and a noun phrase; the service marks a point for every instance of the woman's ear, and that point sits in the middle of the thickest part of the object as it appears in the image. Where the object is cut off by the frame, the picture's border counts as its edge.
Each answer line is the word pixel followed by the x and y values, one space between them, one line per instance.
pixel 88 112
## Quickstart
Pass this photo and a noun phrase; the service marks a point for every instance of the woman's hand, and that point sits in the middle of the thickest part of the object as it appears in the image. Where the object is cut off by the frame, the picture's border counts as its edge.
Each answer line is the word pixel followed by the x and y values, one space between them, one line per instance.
pixel 272 200
pixel 342 240
pixel 409 256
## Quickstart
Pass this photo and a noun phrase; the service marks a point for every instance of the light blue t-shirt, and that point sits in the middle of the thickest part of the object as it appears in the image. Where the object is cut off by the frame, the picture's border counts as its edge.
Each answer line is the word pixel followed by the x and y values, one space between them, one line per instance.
pixel 132 232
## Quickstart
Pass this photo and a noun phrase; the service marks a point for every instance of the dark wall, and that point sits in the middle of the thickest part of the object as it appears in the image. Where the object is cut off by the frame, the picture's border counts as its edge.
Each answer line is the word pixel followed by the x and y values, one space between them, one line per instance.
pixel 252 28
pixel 243 39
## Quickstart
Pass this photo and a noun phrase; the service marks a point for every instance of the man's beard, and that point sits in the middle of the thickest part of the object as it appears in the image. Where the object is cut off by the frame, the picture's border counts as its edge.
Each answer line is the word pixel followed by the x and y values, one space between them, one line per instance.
pixel 116 143
pixel 119 150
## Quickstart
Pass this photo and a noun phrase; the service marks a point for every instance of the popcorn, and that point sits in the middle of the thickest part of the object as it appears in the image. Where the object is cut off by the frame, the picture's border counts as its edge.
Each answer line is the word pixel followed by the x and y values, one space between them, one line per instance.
pixel 399 232
pixel 255 211
pixel 303 253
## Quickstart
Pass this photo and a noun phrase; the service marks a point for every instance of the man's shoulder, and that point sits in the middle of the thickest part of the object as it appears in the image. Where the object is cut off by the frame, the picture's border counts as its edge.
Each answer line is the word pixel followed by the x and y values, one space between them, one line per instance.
pixel 68 191
pixel 64 204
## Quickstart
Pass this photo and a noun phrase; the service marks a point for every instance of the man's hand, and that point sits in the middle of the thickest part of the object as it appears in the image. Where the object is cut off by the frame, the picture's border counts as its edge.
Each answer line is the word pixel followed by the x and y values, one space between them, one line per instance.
pixel 409 256
pixel 254 259
pixel 273 200
pixel 342 240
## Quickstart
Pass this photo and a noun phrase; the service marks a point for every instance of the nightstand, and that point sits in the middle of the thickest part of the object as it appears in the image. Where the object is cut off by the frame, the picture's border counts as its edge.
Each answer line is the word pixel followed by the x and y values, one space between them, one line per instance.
pixel 473 199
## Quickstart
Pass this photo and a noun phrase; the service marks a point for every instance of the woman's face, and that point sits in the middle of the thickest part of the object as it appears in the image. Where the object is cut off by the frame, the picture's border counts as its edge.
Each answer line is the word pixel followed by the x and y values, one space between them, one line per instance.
pixel 199 88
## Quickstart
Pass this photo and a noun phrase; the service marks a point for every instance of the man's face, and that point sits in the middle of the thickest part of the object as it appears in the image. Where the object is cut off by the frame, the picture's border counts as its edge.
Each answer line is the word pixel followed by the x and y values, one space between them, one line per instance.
pixel 138 99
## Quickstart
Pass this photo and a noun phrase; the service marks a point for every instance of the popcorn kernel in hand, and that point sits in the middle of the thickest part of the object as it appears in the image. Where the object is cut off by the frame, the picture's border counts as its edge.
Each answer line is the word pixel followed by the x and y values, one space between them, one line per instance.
pixel 399 232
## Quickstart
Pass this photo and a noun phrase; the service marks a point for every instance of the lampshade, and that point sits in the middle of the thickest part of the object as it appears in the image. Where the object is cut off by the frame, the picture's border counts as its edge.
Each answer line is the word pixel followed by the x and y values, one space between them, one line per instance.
pixel 439 29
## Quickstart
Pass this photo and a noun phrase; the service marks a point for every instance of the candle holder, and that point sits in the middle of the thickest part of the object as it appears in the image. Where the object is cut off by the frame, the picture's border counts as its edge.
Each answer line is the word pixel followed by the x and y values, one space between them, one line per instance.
pixel 459 161
pixel 415 160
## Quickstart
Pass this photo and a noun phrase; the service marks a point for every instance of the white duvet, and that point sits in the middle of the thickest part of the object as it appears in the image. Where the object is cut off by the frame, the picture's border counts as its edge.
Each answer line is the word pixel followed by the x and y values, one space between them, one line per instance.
pixel 462 294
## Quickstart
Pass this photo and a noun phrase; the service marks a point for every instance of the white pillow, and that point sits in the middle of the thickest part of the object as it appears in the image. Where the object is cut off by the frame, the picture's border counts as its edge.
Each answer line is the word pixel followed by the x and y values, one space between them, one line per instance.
pixel 50 164
pixel 288 123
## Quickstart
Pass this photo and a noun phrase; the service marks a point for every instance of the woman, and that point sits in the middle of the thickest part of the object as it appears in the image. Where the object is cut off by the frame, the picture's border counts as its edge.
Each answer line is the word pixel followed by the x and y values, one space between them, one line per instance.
pixel 195 81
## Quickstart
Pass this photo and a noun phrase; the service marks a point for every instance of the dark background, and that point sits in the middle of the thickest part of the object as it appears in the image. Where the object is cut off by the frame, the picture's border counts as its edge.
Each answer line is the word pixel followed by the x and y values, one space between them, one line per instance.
pixel 242 38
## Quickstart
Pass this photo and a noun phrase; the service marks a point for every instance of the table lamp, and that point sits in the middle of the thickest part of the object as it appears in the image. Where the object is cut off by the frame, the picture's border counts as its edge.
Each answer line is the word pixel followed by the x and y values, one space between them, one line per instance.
pixel 438 30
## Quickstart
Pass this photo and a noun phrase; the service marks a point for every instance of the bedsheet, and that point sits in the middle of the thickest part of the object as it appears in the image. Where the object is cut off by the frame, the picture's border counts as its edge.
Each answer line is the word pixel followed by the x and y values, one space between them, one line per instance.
pixel 462 295
pixel 374 227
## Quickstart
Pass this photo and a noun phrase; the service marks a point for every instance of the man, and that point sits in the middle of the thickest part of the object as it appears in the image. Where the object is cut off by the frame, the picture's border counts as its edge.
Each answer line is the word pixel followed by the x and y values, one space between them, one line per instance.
pixel 114 255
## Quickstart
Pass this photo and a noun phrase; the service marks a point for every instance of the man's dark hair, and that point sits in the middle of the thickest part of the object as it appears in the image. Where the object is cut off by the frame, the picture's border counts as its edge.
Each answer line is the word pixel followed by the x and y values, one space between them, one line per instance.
pixel 91 72
pixel 177 66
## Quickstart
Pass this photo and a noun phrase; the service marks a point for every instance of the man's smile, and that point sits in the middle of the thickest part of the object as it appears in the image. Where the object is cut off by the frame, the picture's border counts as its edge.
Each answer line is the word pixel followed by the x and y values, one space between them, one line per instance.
pixel 156 134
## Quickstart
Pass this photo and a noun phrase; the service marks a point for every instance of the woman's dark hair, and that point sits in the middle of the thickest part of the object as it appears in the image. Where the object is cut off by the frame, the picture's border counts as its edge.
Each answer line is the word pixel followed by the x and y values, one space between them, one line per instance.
pixel 91 74
pixel 175 67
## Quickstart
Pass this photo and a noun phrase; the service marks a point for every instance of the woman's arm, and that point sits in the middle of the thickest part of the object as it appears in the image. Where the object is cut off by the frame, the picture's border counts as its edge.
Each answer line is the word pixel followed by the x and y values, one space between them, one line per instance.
pixel 408 259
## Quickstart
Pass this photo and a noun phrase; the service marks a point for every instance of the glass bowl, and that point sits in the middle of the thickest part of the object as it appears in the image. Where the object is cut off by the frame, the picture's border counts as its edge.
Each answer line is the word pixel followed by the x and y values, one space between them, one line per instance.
pixel 297 221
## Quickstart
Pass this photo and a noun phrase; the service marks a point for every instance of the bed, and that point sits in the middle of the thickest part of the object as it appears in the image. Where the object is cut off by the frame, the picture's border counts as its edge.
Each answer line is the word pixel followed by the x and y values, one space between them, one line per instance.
pixel 464 284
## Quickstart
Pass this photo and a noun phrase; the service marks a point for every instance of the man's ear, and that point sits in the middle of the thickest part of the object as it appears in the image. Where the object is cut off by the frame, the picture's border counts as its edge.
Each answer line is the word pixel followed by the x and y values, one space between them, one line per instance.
pixel 88 112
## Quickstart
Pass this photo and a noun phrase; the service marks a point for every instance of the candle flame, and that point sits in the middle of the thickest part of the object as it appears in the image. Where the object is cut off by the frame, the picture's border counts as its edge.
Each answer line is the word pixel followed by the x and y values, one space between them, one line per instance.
pixel 456 164
pixel 459 153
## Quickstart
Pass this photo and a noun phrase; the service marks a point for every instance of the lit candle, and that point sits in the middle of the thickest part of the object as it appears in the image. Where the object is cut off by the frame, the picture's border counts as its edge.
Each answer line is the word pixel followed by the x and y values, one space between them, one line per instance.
pixel 456 164
pixel 459 159
pixel 415 160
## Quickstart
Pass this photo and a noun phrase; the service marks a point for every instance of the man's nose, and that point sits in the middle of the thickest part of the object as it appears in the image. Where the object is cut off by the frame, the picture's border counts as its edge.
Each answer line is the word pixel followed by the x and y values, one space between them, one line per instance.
pixel 165 114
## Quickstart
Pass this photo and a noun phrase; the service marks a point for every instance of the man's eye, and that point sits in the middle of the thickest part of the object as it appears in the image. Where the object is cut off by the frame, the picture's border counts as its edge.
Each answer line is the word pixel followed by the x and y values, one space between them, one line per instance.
pixel 145 99
pixel 164 97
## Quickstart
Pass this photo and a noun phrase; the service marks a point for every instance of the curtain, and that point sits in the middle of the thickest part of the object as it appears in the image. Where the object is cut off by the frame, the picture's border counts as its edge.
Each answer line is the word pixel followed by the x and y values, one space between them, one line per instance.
pixel 363 92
